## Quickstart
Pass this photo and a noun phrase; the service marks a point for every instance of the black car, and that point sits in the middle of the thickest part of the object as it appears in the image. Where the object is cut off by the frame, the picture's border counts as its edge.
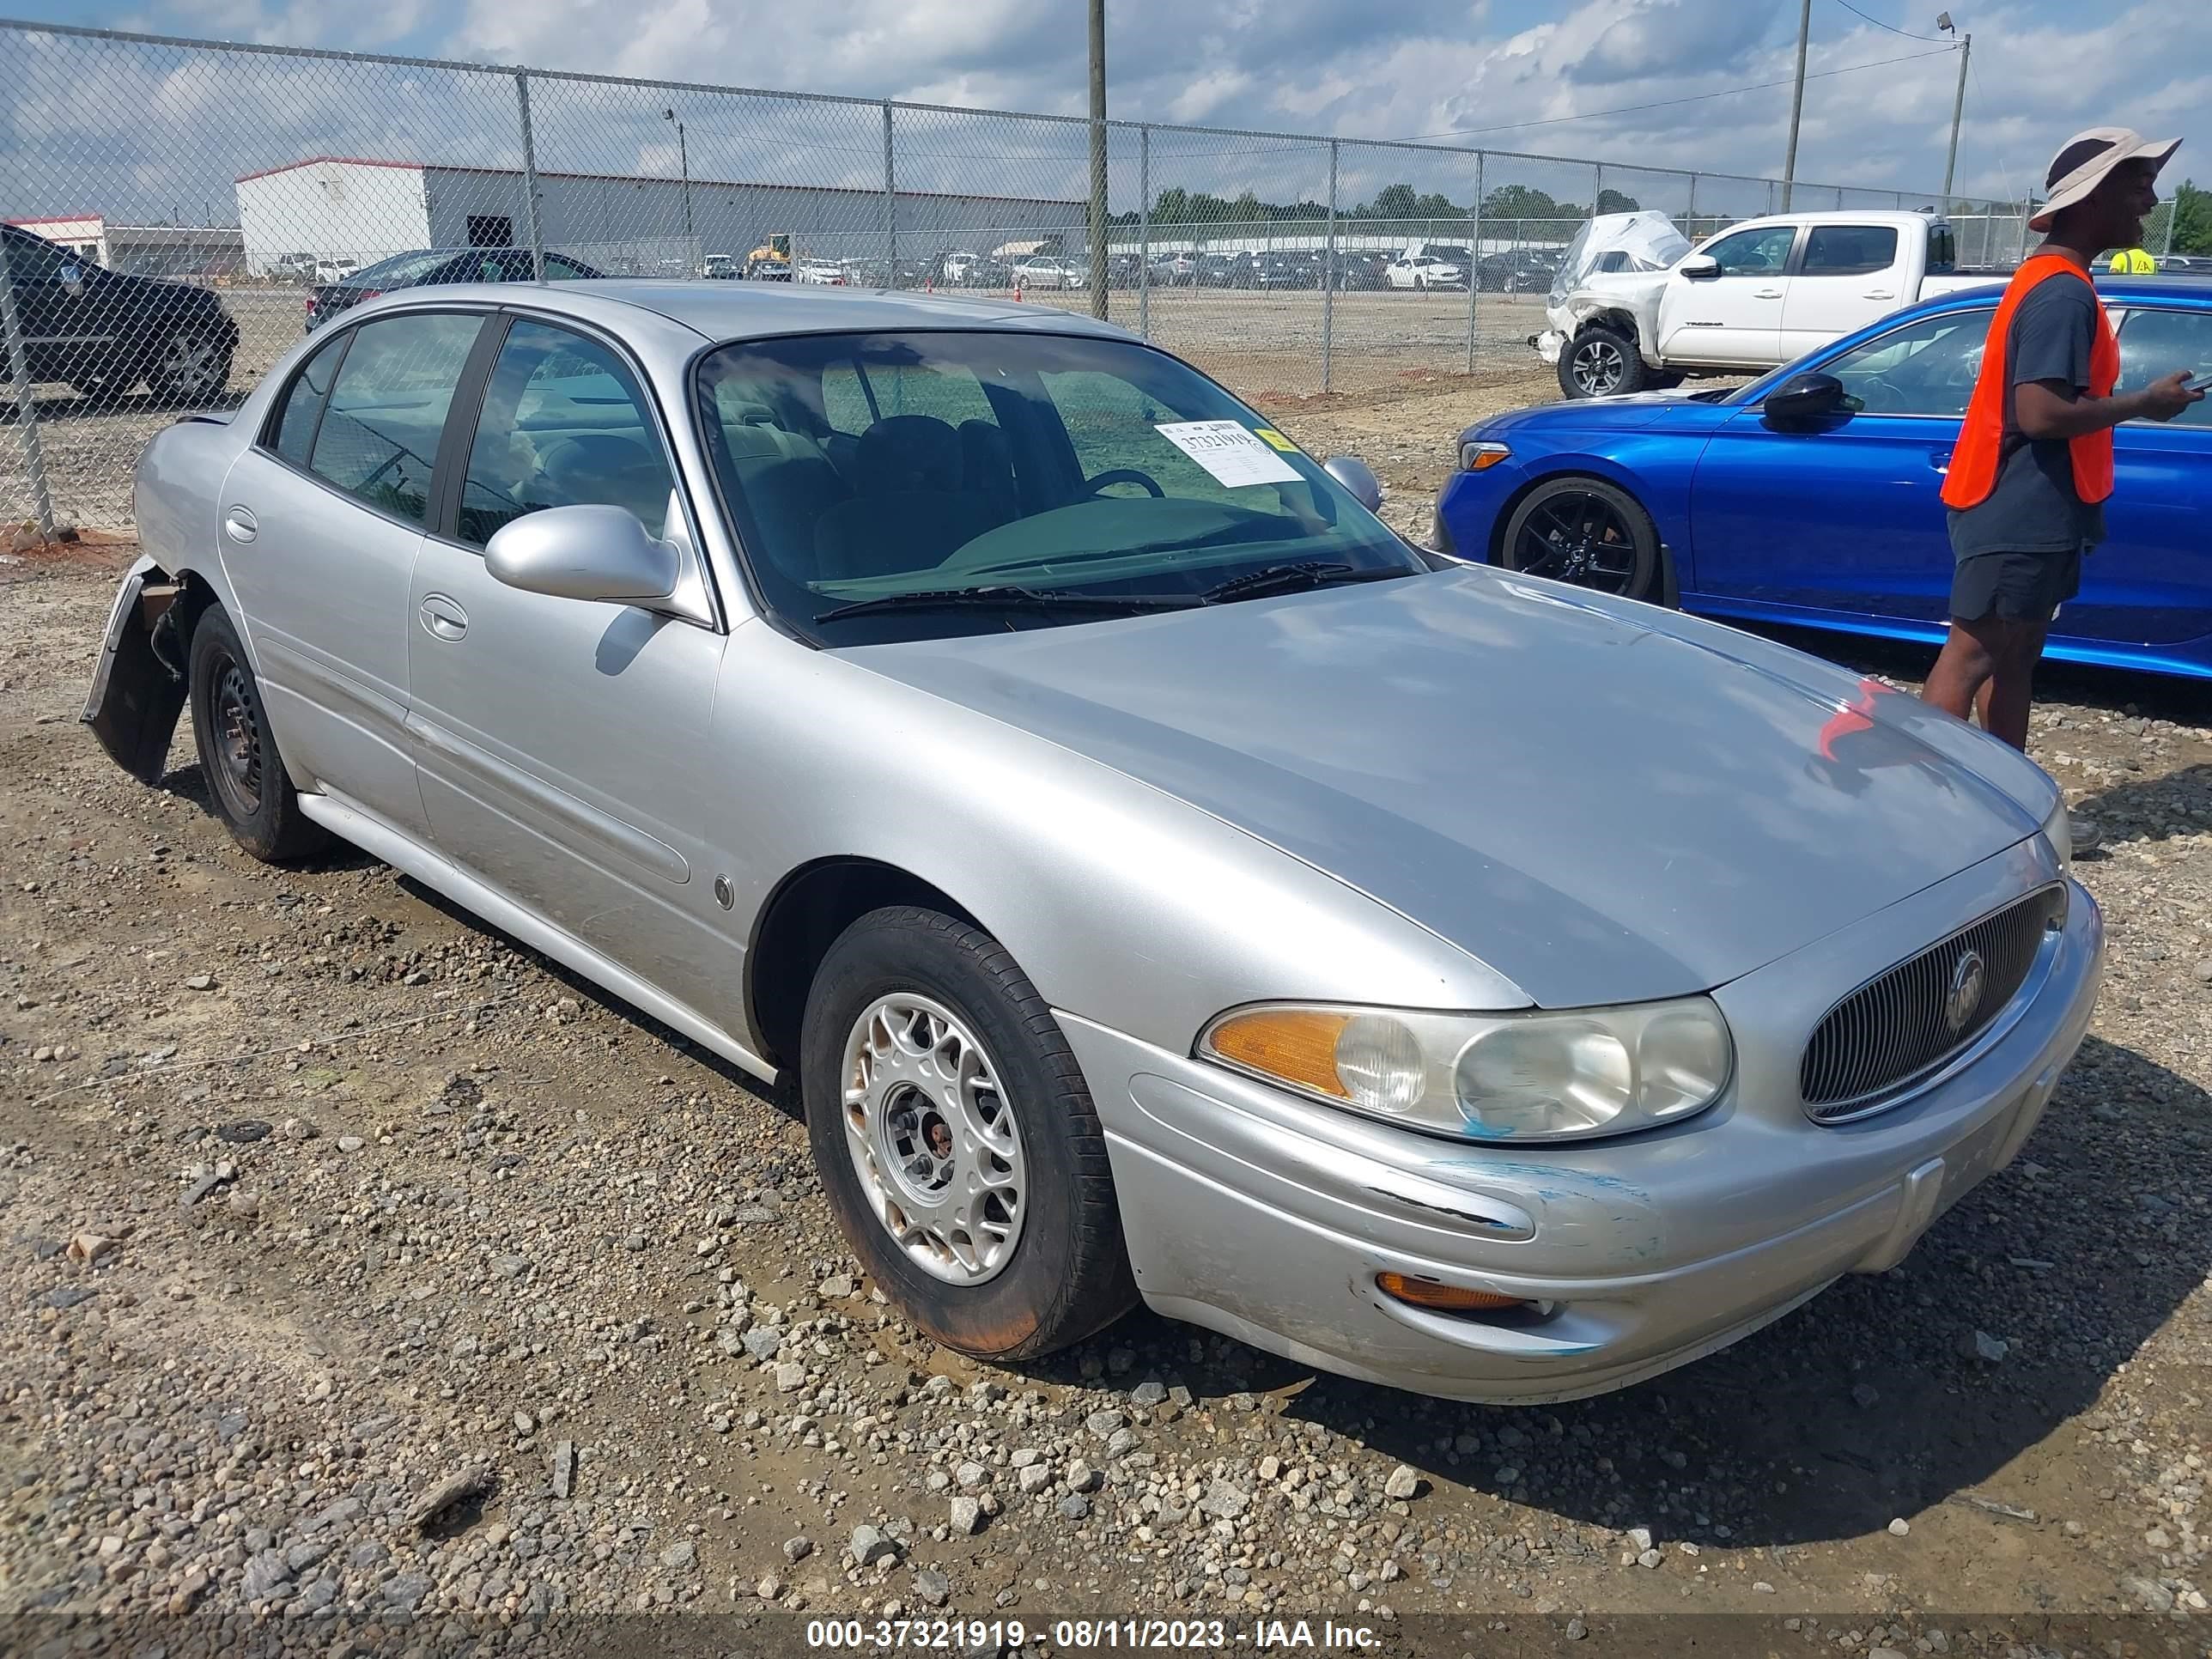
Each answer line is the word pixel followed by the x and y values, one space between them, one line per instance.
pixel 103 332
pixel 1523 270
pixel 1286 270
pixel 1123 269
pixel 1361 268
pixel 1214 270
pixel 437 265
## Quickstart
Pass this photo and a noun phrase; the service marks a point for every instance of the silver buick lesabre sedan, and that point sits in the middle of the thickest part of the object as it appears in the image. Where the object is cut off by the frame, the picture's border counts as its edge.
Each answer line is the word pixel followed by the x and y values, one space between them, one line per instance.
pixel 1163 881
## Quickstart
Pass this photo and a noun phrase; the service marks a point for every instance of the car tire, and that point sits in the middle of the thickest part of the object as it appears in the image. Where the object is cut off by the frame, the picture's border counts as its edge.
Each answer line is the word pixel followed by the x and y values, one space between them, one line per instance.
pixel 1601 362
pixel 193 367
pixel 1589 533
pixel 900 989
pixel 245 776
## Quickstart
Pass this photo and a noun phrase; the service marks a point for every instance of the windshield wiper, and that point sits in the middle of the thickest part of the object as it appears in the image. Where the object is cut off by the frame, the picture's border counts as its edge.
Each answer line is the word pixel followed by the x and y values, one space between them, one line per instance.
pixel 1011 599
pixel 1290 578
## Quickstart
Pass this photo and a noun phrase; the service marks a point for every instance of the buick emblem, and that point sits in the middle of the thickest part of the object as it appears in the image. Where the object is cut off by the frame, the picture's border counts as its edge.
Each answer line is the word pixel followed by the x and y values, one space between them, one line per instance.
pixel 1968 978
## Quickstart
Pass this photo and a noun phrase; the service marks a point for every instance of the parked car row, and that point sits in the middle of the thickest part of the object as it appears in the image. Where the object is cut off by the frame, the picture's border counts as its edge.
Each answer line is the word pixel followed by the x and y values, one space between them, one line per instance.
pixel 1505 1059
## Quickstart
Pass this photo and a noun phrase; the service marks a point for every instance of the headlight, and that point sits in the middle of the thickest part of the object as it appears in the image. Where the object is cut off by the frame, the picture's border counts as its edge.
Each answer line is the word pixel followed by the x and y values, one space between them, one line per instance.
pixel 1520 1077
pixel 1481 457
pixel 2058 830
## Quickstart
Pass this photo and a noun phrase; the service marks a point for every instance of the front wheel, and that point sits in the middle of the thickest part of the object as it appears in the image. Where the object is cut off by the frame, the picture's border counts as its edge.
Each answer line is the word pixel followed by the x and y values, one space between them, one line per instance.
pixel 957 1140
pixel 1587 532
pixel 1601 362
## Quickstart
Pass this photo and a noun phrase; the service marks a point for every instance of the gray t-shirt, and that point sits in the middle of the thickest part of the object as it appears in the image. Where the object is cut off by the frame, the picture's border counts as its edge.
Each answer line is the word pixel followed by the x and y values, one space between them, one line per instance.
pixel 2034 508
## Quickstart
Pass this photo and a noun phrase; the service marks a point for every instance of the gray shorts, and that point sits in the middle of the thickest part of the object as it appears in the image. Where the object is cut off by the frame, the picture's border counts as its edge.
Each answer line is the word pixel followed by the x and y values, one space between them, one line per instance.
pixel 2014 587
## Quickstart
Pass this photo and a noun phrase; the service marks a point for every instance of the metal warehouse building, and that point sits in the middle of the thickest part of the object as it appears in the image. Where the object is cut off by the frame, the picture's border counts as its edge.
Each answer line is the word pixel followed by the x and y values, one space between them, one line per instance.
pixel 353 208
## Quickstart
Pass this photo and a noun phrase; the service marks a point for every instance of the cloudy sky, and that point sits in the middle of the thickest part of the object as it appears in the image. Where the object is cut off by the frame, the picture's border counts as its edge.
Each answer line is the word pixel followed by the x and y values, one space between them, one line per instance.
pixel 1555 76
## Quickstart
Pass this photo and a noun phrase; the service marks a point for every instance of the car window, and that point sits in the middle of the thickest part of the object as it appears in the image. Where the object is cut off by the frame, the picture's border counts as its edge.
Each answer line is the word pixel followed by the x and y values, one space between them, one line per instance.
pixel 400 270
pixel 1942 250
pixel 387 409
pixel 1926 367
pixel 1849 250
pixel 928 496
pixel 304 401
pixel 1753 252
pixel 563 424
pixel 33 260
pixel 558 269
pixel 2156 343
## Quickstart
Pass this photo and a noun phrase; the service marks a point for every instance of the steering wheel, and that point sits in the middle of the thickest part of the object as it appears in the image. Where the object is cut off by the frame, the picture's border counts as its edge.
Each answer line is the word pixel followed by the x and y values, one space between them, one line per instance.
pixel 1123 475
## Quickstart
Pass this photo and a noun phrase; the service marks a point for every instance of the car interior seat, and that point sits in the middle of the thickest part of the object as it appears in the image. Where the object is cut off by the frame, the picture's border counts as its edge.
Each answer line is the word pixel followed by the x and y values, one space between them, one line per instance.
pixel 913 508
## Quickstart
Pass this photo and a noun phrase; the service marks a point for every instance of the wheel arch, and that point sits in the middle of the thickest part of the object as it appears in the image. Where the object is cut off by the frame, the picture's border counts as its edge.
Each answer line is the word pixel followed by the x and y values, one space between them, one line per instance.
pixel 799 921
pixel 1597 470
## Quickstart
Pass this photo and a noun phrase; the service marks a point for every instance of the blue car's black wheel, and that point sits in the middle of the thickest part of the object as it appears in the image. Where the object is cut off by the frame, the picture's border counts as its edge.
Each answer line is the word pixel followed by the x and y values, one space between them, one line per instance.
pixel 1588 532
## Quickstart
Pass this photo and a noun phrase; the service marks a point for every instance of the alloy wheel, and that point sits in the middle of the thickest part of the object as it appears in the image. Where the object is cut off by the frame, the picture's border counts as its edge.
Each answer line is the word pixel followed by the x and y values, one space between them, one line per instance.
pixel 1599 366
pixel 1580 539
pixel 932 1138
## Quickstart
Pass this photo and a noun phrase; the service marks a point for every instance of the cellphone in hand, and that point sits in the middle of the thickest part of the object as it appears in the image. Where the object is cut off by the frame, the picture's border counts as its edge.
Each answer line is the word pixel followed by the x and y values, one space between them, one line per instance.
pixel 2202 383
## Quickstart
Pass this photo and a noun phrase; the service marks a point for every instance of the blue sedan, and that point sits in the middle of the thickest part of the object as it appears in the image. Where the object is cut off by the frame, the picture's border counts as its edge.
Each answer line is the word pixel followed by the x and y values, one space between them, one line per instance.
pixel 1812 497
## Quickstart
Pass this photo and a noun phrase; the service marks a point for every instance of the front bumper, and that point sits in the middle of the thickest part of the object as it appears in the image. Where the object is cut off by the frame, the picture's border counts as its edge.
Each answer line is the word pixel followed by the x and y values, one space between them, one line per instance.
pixel 1268 1218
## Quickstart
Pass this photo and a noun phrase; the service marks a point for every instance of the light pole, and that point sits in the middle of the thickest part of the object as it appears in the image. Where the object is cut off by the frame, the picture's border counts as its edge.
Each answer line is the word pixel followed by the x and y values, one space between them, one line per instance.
pixel 1098 273
pixel 1796 104
pixel 1958 103
pixel 683 160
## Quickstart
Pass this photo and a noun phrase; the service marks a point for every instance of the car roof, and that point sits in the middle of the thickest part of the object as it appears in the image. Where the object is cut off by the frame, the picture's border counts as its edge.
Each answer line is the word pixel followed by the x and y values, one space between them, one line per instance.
pixel 735 311
pixel 2189 287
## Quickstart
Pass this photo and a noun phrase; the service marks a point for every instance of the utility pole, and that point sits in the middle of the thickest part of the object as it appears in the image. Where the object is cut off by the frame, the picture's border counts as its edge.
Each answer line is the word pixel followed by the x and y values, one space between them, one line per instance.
pixel 1958 102
pixel 683 160
pixel 1797 104
pixel 1098 273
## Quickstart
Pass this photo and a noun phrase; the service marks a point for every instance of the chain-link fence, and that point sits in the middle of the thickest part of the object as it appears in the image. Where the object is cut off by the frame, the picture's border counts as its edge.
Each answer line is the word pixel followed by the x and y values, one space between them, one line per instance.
pixel 182 213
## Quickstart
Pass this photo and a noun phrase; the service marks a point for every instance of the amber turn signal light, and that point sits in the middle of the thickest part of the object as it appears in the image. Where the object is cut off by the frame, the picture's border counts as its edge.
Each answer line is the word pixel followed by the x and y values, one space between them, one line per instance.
pixel 1443 1298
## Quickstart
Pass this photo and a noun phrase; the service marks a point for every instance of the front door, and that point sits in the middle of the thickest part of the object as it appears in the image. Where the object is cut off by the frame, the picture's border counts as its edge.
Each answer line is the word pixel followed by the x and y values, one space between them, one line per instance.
pixel 67 334
pixel 320 522
pixel 1848 517
pixel 2150 583
pixel 561 741
pixel 1735 316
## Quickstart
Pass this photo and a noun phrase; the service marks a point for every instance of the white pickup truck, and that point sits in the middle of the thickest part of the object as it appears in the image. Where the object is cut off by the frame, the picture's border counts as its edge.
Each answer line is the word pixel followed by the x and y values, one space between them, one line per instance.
pixel 1758 295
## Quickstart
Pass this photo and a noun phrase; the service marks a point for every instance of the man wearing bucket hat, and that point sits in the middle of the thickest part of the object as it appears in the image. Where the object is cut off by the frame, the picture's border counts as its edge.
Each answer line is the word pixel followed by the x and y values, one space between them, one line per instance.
pixel 2033 467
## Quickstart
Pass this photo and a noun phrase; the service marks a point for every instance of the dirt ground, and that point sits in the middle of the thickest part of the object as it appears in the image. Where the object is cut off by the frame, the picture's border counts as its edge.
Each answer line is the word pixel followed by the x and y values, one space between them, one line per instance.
pixel 374 1200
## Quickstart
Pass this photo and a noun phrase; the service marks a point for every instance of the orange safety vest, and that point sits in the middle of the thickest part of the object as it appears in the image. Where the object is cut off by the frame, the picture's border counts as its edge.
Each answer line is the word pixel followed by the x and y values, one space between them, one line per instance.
pixel 1980 448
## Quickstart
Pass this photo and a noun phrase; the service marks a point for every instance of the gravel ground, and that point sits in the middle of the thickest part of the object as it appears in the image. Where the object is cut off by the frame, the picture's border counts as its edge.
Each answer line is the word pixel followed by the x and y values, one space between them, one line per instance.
pixel 369 1281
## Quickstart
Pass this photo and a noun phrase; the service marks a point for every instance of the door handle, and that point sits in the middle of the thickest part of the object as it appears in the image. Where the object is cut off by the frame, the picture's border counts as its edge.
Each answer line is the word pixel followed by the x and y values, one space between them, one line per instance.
pixel 1878 293
pixel 1767 293
pixel 443 619
pixel 1940 459
pixel 240 525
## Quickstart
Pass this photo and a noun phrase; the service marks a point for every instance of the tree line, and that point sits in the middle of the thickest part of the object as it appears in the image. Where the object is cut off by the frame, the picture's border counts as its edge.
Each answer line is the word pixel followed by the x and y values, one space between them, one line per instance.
pixel 1177 206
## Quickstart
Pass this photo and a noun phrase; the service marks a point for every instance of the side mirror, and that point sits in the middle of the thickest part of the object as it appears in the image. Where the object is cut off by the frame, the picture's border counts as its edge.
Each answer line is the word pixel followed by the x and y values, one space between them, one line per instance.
pixel 1357 477
pixel 1699 268
pixel 72 278
pixel 1804 399
pixel 589 552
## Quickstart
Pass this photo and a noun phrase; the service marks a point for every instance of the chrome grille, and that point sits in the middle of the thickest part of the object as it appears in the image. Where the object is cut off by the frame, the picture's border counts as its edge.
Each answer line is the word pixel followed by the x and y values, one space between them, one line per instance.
pixel 1899 1026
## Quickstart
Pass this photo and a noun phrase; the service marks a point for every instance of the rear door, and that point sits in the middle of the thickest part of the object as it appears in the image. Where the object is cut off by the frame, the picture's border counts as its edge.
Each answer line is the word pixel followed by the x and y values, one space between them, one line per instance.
pixel 1848 517
pixel 2150 583
pixel 321 520
pixel 1846 278
pixel 1735 317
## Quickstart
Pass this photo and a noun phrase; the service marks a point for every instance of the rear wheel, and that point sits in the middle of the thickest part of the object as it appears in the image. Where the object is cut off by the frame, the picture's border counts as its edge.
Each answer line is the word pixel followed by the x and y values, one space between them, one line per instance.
pixel 1588 532
pixel 193 367
pixel 238 752
pixel 1601 362
pixel 957 1140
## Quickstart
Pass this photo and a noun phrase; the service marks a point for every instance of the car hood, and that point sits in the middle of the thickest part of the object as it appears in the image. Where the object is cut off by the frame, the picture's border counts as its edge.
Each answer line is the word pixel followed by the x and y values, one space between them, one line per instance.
pixel 1639 409
pixel 1600 800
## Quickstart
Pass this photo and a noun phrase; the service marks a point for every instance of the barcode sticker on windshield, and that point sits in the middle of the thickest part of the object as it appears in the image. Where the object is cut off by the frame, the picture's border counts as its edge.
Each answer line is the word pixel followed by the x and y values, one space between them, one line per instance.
pixel 1230 452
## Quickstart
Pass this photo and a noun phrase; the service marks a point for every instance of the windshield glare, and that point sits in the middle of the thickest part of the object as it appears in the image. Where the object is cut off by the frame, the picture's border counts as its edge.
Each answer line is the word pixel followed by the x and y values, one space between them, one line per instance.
pixel 860 467
pixel 400 267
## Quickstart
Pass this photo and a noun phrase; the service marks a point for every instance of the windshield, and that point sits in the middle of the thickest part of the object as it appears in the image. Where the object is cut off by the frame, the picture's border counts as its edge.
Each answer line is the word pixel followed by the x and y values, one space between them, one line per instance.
pixel 860 468
pixel 400 268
